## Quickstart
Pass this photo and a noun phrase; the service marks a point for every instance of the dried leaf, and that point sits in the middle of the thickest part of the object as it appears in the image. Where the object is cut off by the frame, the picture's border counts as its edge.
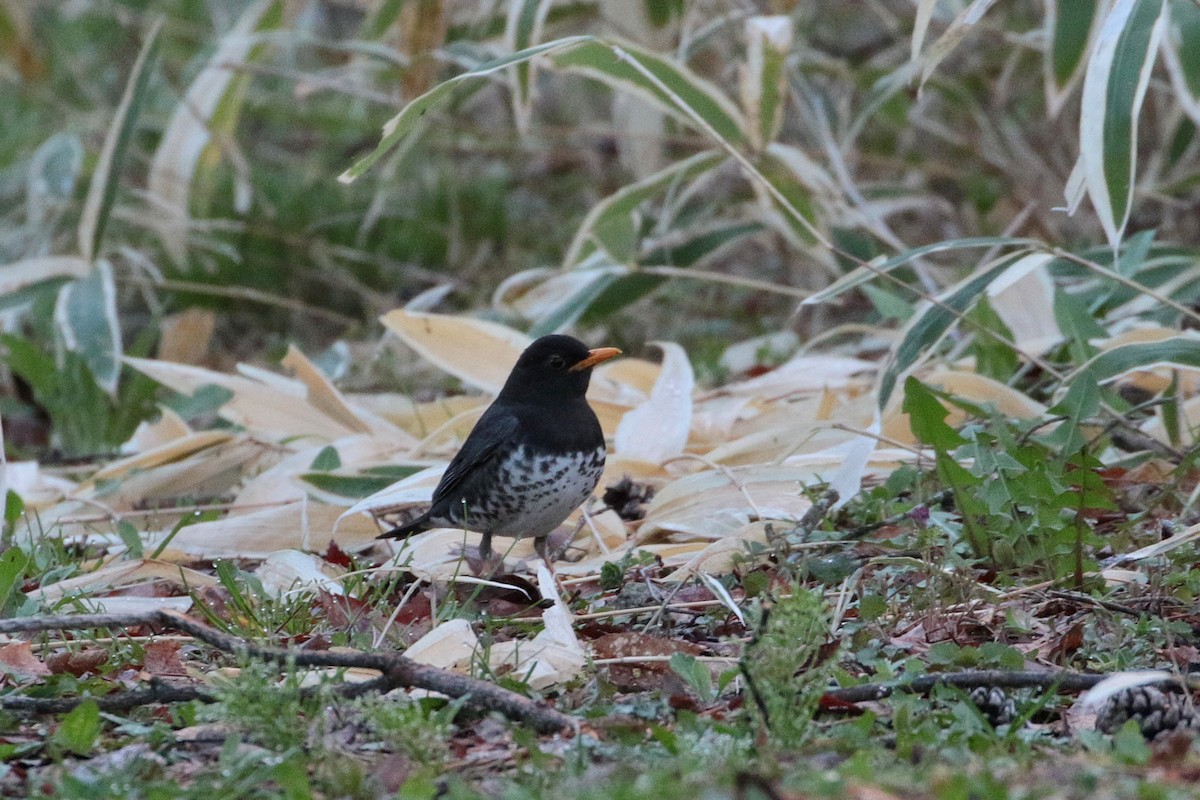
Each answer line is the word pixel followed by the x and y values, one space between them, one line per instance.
pixel 18 657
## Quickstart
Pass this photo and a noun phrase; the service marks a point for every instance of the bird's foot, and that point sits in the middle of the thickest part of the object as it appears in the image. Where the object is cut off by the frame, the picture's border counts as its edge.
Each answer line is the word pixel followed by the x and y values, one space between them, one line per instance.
pixel 481 564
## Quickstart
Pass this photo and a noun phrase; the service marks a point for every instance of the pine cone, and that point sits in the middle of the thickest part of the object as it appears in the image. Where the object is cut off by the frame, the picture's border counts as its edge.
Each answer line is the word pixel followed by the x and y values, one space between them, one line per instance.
pixel 628 498
pixel 996 705
pixel 1157 712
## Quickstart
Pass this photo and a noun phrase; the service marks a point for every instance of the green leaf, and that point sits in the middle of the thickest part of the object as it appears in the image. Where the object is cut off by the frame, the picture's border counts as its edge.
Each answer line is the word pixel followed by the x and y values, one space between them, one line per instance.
pixel 695 674
pixel 13 562
pixel 523 29
pixel 1114 86
pixel 1070 23
pixel 693 247
pixel 1134 252
pixel 863 274
pixel 607 221
pixel 1077 324
pixel 208 111
pixel 381 17
pixel 326 460
pixel 1185 53
pixel 764 85
pixel 85 318
pixel 927 417
pixel 103 188
pixel 1181 351
pixel 189 519
pixel 353 486
pixel 399 127
pixel 1129 745
pixel 14 507
pixel 208 399
pixel 611 575
pixel 131 538
pixel 933 321
pixel 1081 401
pixel 78 729
pixel 888 304
pixel 871 607
pixel 792 174
pixel 625 67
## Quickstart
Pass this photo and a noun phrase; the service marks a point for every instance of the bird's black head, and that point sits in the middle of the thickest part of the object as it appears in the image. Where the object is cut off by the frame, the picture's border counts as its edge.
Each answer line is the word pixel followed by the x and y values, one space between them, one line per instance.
pixel 554 368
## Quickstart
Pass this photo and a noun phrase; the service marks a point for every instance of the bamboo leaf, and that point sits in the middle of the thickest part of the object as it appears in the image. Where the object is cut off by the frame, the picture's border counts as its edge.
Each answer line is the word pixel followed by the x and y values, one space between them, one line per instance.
pixel 211 104
pixel 606 222
pixel 523 29
pixel 1070 28
pixel 1177 351
pixel 1114 87
pixel 611 64
pixel 85 317
pixel 404 124
pixel 103 188
pixel 934 320
pixel 861 275
pixel 769 39
pixel 1182 56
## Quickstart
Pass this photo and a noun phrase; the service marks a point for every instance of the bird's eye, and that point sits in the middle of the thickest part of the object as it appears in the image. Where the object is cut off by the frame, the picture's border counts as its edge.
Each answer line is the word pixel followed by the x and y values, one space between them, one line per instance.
pixel 556 361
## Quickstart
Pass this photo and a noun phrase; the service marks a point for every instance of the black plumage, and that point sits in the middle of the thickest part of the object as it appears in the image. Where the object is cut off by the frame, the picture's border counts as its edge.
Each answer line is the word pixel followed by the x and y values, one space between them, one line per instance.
pixel 533 457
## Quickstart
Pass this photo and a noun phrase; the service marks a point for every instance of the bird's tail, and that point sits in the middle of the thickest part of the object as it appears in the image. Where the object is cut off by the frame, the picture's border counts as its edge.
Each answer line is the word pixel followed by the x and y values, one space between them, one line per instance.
pixel 409 528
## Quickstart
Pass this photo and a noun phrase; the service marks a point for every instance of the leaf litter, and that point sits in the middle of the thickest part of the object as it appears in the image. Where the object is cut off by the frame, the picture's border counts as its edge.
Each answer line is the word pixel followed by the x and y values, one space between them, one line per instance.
pixel 725 470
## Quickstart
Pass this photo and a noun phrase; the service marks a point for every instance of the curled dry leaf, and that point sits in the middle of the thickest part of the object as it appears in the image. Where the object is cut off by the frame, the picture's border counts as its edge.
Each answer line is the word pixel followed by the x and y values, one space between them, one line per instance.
pixel 302 525
pixel 714 504
pixel 1023 297
pixel 450 645
pixel 719 557
pixel 325 397
pixel 121 574
pixel 168 428
pixel 288 571
pixel 185 336
pixel 658 428
pixel 37 489
pixel 18 658
pixel 554 655
pixel 477 352
pixel 267 405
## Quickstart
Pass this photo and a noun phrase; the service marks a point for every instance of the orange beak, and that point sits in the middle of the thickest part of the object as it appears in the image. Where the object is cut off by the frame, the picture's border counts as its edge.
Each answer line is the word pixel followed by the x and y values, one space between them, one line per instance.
pixel 597 356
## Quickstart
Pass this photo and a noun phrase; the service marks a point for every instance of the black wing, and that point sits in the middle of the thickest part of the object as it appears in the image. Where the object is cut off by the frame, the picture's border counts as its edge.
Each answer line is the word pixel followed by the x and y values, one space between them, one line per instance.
pixel 490 434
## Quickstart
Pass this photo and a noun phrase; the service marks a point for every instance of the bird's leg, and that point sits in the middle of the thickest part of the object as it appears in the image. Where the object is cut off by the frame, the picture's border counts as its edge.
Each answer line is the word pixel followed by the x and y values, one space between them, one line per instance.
pixel 482 560
pixel 545 549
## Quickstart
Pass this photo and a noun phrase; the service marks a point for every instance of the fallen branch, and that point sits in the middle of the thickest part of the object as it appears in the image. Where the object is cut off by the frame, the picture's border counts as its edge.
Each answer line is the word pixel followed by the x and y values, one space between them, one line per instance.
pixel 1063 680
pixel 118 701
pixel 397 670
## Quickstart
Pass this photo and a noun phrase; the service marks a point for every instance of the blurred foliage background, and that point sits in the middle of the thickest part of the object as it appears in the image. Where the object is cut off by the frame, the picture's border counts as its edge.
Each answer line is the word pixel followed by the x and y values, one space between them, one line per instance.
pixel 168 175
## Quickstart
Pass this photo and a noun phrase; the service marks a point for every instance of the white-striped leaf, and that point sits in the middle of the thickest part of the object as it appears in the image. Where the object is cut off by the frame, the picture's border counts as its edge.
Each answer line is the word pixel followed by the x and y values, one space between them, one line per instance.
pixel 404 124
pixel 209 106
pixel 523 29
pixel 933 320
pixel 85 318
pixel 1114 86
pixel 607 224
pixel 764 83
pixel 1182 55
pixel 1071 26
pixel 673 87
pixel 103 187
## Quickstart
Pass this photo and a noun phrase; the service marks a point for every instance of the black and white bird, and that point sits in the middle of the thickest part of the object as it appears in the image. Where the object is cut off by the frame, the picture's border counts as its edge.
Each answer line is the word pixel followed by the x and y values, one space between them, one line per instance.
pixel 534 456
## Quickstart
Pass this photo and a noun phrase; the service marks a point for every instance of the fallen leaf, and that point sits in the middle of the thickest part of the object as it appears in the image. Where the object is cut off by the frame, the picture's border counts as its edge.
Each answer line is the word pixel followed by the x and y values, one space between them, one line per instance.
pixel 18 658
